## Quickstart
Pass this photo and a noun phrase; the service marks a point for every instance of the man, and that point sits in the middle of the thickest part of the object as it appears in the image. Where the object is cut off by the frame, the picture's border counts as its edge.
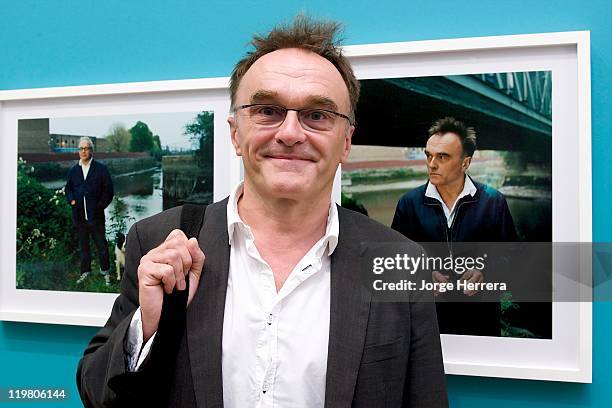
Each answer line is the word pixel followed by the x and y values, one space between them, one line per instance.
pixel 89 190
pixel 279 317
pixel 451 207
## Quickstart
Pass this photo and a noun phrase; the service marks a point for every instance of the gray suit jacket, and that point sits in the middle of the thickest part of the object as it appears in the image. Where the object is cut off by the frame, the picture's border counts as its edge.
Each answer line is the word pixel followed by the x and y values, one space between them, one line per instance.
pixel 379 354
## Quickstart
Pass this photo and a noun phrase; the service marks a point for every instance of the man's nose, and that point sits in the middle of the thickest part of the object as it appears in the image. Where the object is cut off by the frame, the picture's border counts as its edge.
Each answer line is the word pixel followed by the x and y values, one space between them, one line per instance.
pixel 290 131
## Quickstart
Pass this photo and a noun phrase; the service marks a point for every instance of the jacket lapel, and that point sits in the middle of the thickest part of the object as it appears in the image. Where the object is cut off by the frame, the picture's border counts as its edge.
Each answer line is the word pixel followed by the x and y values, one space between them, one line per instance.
pixel 349 309
pixel 92 169
pixel 205 314
pixel 79 173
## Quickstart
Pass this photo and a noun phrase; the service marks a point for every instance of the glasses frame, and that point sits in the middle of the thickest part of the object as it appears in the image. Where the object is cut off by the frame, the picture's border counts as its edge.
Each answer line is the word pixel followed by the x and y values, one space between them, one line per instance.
pixel 297 111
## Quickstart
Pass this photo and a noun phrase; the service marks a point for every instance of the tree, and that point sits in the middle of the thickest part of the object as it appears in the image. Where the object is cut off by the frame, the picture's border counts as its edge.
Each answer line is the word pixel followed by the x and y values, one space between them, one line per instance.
pixel 157 153
pixel 142 138
pixel 201 132
pixel 156 142
pixel 118 138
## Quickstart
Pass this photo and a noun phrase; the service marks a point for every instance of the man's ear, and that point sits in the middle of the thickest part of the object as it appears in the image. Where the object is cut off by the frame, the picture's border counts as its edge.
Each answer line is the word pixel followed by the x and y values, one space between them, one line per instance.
pixel 466 163
pixel 231 120
pixel 346 149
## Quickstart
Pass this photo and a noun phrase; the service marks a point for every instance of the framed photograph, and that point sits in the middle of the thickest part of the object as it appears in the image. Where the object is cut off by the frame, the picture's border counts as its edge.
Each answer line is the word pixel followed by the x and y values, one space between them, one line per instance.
pixel 527 96
pixel 80 166
pixel 528 99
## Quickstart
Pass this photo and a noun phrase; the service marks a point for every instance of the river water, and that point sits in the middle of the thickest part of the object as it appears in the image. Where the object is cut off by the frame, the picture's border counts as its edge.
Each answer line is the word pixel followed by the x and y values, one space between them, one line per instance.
pixel 138 195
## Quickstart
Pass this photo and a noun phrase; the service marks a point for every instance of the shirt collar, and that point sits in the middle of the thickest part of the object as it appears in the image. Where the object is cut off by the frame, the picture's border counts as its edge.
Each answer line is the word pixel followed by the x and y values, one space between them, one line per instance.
pixel 81 162
pixel 468 189
pixel 330 239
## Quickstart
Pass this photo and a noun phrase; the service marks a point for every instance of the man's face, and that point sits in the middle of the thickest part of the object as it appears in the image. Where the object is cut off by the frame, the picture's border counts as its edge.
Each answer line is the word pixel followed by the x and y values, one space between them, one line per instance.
pixel 85 151
pixel 445 162
pixel 289 161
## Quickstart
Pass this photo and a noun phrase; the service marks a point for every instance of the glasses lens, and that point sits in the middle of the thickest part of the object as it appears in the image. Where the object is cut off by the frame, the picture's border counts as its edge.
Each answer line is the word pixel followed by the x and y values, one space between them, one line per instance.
pixel 317 119
pixel 84 149
pixel 267 115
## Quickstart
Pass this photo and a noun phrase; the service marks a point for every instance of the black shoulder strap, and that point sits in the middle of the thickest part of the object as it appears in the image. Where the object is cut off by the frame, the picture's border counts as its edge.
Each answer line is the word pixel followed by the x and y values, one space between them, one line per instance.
pixel 151 385
pixel 192 217
pixel 173 317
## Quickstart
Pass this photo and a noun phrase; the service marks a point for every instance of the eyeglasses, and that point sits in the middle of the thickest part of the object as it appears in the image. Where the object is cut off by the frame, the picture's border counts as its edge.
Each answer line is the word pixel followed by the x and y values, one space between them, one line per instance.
pixel 84 149
pixel 314 119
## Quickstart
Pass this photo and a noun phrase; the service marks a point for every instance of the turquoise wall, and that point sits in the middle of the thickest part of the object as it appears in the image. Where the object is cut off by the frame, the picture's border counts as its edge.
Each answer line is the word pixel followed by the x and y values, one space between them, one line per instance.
pixel 58 43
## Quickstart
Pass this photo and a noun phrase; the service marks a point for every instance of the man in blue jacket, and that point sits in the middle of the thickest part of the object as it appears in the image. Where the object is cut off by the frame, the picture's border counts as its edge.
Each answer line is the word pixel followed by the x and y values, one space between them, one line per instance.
pixel 89 191
pixel 451 207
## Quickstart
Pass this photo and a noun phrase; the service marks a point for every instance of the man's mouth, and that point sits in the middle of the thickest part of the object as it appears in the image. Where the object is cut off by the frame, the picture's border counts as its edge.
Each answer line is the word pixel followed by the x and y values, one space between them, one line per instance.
pixel 288 157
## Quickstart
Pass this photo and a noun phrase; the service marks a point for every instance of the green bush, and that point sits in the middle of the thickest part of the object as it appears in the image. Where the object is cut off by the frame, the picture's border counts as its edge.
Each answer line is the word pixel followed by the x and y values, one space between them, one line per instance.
pixel 44 221
pixel 47 171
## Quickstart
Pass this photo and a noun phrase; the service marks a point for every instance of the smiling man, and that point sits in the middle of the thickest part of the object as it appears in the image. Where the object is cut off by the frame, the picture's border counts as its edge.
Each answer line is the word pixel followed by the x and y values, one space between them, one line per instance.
pixel 276 314
pixel 451 207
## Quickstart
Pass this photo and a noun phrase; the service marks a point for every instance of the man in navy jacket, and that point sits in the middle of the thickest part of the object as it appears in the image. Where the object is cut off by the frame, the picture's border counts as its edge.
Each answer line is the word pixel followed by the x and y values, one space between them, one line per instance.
pixel 89 190
pixel 451 207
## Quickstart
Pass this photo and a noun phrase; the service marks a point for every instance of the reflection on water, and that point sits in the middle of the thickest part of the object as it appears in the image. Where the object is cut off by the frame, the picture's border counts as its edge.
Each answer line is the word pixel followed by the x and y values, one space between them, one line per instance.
pixel 141 194
pixel 380 204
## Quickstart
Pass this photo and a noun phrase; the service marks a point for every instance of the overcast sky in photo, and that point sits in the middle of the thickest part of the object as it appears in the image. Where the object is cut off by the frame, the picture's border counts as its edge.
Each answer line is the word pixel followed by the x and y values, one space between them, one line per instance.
pixel 169 126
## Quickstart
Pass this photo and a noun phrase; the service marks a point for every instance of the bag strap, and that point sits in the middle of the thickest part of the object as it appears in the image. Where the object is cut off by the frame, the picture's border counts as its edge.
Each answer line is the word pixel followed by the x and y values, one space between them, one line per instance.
pixel 192 217
pixel 151 385
pixel 173 317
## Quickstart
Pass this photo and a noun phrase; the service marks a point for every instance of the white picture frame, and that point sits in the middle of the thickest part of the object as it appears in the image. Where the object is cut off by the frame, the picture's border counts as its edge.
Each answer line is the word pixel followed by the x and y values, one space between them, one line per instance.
pixel 568 355
pixel 89 308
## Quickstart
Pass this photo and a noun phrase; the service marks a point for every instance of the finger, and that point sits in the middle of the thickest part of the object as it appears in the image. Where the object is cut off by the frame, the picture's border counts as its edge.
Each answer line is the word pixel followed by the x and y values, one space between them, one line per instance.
pixel 175 258
pixel 178 234
pixel 178 243
pixel 476 278
pixel 467 275
pixel 156 274
pixel 196 268
pixel 167 276
pixel 197 257
pixel 439 277
pixel 173 251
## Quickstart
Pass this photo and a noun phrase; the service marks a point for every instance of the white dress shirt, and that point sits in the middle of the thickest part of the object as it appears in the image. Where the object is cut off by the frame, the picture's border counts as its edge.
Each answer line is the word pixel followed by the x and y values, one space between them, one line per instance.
pixel 468 189
pixel 85 170
pixel 274 344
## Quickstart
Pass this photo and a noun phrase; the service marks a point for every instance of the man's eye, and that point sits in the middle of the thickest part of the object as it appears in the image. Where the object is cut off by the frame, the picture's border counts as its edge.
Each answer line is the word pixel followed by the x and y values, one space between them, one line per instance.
pixel 267 111
pixel 316 115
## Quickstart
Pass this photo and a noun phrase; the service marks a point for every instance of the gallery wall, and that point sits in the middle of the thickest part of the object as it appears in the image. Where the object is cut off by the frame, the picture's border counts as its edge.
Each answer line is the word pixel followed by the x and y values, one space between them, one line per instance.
pixel 60 43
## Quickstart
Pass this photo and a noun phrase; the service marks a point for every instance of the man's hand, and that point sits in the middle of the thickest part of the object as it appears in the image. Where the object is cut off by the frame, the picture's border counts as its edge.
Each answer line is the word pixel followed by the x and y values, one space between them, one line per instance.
pixel 472 276
pixel 163 269
pixel 73 202
pixel 438 277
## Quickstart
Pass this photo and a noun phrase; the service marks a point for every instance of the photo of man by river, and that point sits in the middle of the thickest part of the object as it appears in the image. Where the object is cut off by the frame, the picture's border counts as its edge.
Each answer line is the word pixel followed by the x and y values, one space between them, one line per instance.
pixel 512 117
pixel 156 161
